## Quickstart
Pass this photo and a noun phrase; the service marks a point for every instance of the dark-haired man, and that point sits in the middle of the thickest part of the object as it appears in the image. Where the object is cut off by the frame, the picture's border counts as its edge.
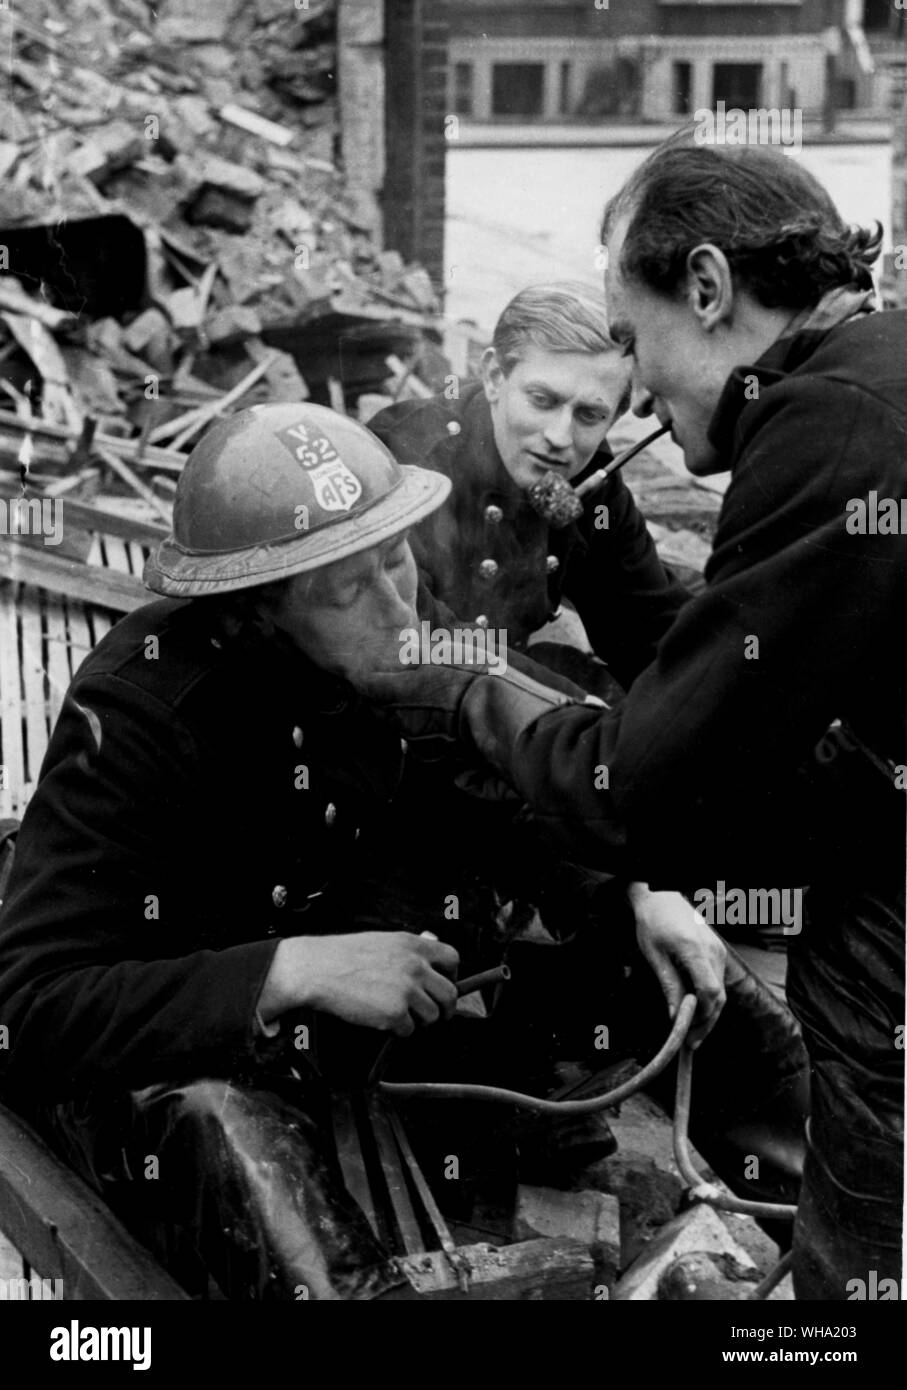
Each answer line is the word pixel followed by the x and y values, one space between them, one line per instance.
pixel 767 739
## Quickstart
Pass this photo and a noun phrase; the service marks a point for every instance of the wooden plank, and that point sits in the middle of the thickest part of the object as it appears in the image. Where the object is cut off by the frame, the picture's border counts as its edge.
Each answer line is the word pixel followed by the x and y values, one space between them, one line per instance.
pixel 141 489
pixel 65 1231
pixel 537 1270
pixel 33 679
pixel 136 558
pixel 55 443
pixel 14 299
pixel 352 1163
pixel 183 427
pixel 121 592
pixel 395 1178
pixel 95 554
pixel 80 643
pixel 12 757
pixel 57 659
pixel 116 554
pixel 100 621
pixel 110 523
pixel 34 339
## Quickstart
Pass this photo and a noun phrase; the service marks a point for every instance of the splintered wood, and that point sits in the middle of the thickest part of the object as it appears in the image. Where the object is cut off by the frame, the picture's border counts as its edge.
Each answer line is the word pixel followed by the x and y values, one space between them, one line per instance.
pixel 45 636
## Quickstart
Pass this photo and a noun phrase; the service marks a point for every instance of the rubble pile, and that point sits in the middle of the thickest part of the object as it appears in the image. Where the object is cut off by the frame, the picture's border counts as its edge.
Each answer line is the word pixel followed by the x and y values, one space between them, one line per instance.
pixel 176 238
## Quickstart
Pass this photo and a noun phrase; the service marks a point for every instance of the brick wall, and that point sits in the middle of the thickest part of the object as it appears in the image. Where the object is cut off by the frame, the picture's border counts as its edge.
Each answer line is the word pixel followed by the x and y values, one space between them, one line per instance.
pixel 416 34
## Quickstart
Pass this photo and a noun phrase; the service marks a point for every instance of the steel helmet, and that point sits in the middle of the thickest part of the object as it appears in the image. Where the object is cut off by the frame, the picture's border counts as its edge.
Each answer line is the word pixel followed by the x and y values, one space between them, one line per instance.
pixel 279 489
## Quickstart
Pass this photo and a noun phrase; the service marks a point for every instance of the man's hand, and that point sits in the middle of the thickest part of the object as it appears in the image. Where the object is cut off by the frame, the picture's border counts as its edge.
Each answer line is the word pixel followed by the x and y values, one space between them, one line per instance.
pixel 684 952
pixel 390 981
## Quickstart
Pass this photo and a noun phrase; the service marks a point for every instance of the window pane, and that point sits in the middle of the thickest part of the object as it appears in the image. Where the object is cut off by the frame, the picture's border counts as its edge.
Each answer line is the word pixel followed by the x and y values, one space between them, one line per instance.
pixel 462 93
pixel 737 84
pixel 517 89
pixel 683 88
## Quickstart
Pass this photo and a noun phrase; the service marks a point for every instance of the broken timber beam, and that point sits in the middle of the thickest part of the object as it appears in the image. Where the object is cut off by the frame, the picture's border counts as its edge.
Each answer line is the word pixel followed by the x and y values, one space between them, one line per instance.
pixel 13 427
pixel 106 588
pixel 539 1270
pixel 64 1229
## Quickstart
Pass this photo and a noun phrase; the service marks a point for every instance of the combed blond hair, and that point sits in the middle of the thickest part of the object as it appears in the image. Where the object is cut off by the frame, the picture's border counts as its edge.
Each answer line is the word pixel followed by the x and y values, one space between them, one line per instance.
pixel 563 316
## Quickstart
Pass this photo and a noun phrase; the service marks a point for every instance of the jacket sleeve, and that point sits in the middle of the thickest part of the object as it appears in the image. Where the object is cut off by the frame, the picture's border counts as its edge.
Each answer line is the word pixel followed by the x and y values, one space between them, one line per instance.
pixel 93 989
pixel 625 596
pixel 798 619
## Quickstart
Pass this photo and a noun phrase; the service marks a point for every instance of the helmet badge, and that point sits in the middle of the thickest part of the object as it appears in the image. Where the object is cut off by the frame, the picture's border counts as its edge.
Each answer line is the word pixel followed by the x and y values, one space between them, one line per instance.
pixel 336 488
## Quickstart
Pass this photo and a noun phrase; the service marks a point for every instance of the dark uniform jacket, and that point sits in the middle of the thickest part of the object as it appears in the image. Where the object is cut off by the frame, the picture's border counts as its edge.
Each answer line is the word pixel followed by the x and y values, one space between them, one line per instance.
pixel 487 553
pixel 198 801
pixel 195 804
pixel 802 623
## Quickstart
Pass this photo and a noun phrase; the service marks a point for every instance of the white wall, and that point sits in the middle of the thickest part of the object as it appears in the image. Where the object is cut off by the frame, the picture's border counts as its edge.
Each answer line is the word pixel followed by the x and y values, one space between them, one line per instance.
pixel 515 216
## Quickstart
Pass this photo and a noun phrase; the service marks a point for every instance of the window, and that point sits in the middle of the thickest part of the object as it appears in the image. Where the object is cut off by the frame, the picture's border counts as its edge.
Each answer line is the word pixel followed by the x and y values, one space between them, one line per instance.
pixel 737 84
pixel 564 105
pixel 462 89
pixel 877 15
pixel 612 89
pixel 683 89
pixel 517 89
pixel 846 93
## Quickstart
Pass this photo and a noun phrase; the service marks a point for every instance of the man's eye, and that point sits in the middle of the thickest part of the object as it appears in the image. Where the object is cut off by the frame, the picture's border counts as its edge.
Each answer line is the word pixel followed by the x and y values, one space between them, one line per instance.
pixel 396 558
pixel 591 417
pixel 540 399
pixel 346 596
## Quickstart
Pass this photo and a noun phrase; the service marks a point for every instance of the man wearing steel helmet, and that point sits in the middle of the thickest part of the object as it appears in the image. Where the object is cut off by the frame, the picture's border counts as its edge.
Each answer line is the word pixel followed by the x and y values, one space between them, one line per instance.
pixel 193 860
pixel 209 889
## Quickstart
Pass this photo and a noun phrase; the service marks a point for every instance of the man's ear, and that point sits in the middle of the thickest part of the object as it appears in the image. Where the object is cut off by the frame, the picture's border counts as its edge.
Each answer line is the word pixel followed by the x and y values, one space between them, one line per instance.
pixel 493 375
pixel 710 285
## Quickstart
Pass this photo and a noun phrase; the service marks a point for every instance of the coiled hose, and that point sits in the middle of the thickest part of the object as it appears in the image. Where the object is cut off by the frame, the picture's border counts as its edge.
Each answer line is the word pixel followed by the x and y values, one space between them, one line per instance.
pixel 698 1190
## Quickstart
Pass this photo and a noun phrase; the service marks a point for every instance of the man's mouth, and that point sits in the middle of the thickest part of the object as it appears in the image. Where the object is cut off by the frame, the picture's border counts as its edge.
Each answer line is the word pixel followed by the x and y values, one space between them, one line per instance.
pixel 547 461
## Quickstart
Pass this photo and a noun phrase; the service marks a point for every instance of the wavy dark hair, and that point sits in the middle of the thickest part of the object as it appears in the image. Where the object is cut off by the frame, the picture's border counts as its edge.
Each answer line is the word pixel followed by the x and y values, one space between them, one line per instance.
pixel 784 239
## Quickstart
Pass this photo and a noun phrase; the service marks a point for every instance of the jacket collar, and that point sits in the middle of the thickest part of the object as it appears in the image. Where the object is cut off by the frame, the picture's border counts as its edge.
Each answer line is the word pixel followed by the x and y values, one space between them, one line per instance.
pixel 789 351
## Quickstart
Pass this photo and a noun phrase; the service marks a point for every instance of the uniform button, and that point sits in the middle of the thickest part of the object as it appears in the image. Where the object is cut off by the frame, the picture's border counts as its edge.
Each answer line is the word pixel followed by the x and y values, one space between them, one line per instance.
pixel 552 564
pixel 493 514
pixel 297 736
pixel 279 895
pixel 453 427
pixel 330 813
pixel 481 620
pixel 488 569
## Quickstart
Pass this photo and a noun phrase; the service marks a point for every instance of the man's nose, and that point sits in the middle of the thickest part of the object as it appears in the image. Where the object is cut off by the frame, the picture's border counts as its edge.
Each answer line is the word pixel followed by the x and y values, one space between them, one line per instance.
pixel 559 429
pixel 642 402
pixel 393 607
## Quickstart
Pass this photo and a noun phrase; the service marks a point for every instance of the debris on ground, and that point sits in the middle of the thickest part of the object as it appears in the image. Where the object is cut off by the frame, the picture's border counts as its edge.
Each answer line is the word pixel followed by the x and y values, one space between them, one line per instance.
pixel 178 240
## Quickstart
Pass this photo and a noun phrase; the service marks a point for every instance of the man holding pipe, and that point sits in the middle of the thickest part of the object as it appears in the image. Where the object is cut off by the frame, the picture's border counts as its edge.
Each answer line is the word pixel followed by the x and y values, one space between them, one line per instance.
pixel 766 741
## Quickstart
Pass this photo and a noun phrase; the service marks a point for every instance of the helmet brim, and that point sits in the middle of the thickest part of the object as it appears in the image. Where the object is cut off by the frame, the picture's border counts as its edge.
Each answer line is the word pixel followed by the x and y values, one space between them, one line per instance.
pixel 178 573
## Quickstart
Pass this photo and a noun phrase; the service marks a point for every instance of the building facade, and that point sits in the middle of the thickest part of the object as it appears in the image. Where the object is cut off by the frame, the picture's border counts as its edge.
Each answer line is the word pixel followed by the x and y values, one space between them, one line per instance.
pixel 559 61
